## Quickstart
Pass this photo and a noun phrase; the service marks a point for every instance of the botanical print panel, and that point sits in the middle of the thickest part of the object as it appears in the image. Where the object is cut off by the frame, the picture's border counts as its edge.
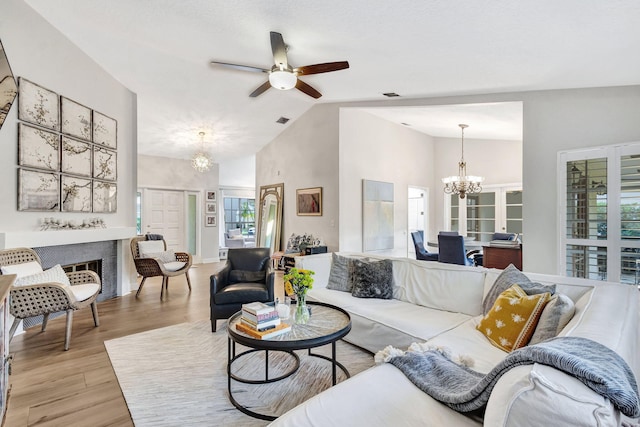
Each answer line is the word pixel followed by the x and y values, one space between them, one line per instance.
pixel 38 105
pixel 105 130
pixel 76 194
pixel 76 119
pixel 38 148
pixel 104 163
pixel 38 191
pixel 105 196
pixel 76 157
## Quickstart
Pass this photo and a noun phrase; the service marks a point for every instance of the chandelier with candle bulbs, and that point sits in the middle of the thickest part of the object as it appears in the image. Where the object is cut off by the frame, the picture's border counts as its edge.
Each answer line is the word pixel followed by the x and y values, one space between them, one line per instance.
pixel 462 183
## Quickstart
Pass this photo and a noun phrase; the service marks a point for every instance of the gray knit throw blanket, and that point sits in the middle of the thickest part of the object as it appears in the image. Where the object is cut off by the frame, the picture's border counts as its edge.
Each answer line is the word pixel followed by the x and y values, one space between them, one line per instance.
pixel 465 390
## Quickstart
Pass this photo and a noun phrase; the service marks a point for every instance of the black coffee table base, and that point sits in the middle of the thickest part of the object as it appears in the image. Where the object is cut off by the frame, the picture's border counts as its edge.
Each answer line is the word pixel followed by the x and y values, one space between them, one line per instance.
pixel 233 357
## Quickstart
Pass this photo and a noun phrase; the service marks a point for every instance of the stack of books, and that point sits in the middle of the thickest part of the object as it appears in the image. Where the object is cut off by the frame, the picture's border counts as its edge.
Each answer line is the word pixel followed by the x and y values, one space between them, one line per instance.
pixel 261 321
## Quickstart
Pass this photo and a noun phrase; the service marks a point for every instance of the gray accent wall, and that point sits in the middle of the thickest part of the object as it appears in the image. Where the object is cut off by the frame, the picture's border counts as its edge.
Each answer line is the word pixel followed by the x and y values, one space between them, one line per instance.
pixel 553 120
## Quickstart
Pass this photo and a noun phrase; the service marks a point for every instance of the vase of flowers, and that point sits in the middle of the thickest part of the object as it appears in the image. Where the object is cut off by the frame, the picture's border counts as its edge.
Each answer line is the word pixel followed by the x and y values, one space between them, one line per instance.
pixel 297 282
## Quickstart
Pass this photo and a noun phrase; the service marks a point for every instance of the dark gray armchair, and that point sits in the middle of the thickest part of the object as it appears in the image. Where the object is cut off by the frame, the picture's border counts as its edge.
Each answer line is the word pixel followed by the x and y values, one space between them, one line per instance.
pixel 246 277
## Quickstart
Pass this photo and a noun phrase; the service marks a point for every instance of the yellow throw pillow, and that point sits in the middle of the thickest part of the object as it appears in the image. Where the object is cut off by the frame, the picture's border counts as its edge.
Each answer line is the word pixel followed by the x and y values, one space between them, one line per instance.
pixel 512 320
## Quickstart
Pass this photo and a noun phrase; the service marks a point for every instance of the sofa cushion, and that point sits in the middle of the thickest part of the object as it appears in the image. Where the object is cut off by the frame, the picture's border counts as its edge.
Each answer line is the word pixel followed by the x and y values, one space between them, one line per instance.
pixel 236 276
pixel 555 316
pixel 55 274
pixel 84 291
pixel 371 279
pixel 512 276
pixel 22 269
pixel 513 318
pixel 174 266
pixel 339 274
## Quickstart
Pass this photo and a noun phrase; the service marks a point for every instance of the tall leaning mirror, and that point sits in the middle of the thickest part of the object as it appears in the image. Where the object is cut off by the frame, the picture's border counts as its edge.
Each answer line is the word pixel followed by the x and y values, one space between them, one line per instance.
pixel 8 87
pixel 270 216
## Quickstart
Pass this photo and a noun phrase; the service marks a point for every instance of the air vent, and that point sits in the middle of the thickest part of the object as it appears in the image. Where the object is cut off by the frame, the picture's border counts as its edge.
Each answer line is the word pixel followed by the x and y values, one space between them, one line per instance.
pixel 390 94
pixel 406 124
pixel 282 120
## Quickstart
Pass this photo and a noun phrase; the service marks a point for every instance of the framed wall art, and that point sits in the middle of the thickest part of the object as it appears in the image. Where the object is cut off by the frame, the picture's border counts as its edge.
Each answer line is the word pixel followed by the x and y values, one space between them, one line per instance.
pixel 309 201
pixel 105 130
pixel 105 197
pixel 104 164
pixel 210 220
pixel 76 157
pixel 38 105
pixel 76 194
pixel 210 208
pixel 210 196
pixel 76 119
pixel 38 148
pixel 38 191
pixel 377 215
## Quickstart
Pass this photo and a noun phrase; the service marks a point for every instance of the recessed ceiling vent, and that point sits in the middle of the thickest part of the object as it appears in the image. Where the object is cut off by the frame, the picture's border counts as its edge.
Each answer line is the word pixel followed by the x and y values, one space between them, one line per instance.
pixel 390 94
pixel 406 124
pixel 282 120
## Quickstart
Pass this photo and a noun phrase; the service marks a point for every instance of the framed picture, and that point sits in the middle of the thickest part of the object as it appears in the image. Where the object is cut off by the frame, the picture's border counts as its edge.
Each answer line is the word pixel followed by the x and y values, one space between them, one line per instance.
pixel 105 197
pixel 377 215
pixel 210 196
pixel 309 201
pixel 76 194
pixel 76 119
pixel 104 163
pixel 211 208
pixel 38 148
pixel 76 157
pixel 38 191
pixel 38 105
pixel 105 130
pixel 210 220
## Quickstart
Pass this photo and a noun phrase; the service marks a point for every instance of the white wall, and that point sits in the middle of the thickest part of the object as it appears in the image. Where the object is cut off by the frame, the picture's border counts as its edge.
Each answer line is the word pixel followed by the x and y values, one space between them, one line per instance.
pixel 239 172
pixel 305 155
pixel 41 54
pixel 177 174
pixel 554 120
pixel 378 150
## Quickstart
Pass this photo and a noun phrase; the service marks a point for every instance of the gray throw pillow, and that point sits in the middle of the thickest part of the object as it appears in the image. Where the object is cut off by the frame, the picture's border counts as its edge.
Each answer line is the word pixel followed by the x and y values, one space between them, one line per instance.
pixel 371 279
pixel 555 316
pixel 237 276
pixel 339 274
pixel 512 276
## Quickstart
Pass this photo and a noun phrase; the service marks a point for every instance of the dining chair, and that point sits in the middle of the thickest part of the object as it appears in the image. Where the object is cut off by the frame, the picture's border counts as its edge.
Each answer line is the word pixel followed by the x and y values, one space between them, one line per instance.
pixel 451 250
pixel 421 253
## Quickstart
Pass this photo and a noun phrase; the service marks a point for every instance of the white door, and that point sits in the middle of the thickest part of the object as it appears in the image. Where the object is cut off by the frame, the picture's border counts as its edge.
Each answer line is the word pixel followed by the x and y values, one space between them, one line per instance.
pixel 418 219
pixel 163 213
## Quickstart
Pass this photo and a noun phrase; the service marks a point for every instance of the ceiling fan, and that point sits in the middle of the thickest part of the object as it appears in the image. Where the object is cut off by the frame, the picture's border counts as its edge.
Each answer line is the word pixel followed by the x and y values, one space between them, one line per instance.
pixel 283 76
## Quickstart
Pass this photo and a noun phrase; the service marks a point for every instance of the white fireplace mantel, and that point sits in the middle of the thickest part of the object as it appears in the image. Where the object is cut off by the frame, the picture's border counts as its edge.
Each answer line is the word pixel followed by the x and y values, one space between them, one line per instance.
pixel 34 239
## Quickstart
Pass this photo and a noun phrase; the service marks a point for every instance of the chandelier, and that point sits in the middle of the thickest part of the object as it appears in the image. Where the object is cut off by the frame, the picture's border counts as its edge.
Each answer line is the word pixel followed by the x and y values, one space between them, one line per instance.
pixel 201 161
pixel 462 184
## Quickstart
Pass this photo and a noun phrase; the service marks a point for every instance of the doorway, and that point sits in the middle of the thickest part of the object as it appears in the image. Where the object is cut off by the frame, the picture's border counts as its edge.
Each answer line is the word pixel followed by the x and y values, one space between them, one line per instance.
pixel 164 214
pixel 418 217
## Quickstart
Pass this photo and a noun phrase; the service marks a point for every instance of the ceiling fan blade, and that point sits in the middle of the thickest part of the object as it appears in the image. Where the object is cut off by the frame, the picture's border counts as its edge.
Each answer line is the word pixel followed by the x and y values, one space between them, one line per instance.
pixel 321 68
pixel 240 67
pixel 303 87
pixel 262 89
pixel 279 49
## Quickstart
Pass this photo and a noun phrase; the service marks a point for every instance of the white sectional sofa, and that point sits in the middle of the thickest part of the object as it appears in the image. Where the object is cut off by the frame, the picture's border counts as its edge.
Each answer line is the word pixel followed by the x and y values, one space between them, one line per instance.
pixel 442 304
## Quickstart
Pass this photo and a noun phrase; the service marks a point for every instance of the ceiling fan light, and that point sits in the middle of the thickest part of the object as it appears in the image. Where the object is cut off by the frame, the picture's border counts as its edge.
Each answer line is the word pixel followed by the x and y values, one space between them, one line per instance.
pixel 283 80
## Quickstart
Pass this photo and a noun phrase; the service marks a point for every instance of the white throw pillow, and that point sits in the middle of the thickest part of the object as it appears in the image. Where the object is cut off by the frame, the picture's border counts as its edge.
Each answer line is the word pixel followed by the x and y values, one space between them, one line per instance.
pixel 163 257
pixel 148 247
pixel 54 274
pixel 22 270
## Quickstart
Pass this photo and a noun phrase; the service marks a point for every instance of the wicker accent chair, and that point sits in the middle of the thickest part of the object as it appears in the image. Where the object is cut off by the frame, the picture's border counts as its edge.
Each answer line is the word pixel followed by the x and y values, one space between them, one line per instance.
pixel 46 298
pixel 152 267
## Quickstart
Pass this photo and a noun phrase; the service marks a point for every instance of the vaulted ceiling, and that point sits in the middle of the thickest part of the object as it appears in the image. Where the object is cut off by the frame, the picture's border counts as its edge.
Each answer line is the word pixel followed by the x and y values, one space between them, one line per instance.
pixel 161 49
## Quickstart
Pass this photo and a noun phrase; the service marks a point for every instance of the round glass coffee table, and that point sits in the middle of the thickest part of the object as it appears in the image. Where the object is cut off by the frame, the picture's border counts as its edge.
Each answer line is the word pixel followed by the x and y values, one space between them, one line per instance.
pixel 327 324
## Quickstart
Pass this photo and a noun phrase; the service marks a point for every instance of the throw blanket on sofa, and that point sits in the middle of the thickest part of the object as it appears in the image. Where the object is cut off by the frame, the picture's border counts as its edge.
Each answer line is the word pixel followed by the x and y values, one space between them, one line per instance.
pixel 465 390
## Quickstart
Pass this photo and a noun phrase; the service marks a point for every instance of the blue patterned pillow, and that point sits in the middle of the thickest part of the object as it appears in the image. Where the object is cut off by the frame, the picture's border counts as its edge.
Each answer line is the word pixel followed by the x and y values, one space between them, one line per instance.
pixel 371 279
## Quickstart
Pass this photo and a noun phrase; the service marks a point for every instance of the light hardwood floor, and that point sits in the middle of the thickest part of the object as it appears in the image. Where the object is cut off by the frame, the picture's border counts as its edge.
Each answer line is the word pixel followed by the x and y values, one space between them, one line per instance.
pixel 53 387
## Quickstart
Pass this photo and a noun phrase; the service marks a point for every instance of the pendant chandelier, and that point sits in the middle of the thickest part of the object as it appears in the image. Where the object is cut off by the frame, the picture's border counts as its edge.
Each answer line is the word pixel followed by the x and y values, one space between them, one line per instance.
pixel 201 161
pixel 462 184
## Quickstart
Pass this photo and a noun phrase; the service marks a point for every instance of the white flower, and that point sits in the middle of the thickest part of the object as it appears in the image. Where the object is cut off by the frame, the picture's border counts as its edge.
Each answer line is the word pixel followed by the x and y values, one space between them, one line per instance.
pixel 517 318
pixel 499 323
pixel 514 301
pixel 497 308
pixel 488 332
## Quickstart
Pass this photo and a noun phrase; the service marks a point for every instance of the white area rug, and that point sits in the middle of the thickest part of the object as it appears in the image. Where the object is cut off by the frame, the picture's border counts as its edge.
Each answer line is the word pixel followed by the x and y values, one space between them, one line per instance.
pixel 176 376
